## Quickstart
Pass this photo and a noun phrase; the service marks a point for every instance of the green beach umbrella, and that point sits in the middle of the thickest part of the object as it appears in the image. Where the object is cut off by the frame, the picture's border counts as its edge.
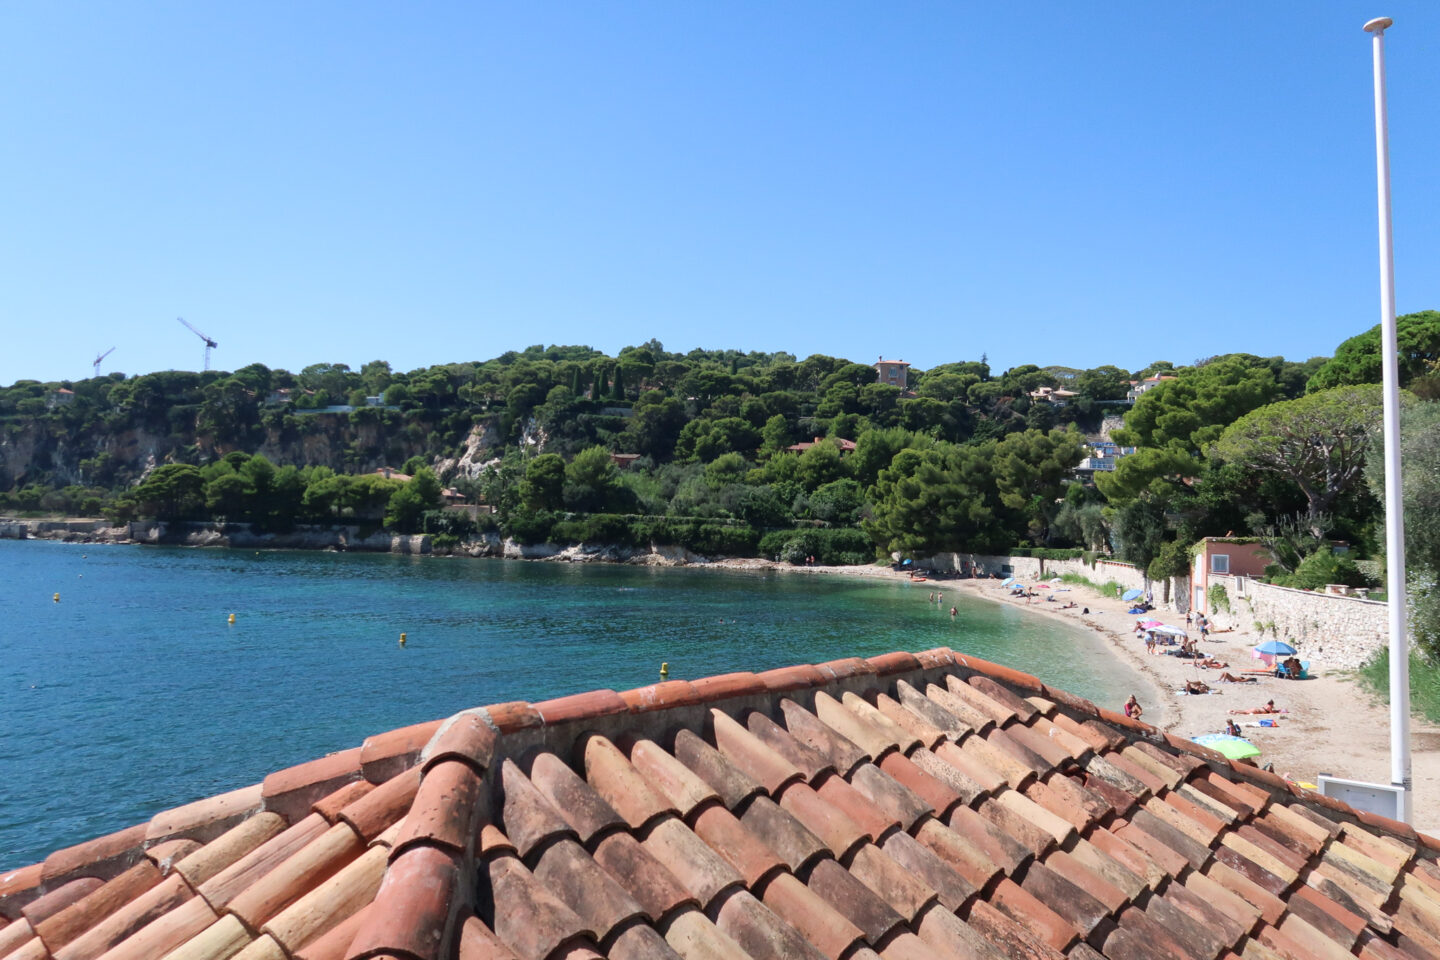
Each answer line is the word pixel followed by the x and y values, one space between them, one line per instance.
pixel 1236 748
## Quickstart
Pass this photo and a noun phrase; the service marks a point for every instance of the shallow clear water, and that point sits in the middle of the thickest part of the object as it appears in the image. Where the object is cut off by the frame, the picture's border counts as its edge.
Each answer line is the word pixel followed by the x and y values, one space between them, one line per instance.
pixel 133 694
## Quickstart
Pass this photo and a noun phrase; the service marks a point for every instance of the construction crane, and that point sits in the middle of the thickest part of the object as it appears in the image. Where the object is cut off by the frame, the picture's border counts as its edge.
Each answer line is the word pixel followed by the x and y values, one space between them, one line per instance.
pixel 209 344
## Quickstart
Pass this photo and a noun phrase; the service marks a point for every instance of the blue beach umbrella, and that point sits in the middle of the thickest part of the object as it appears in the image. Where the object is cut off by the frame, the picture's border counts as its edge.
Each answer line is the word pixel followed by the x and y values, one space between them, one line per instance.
pixel 1275 648
pixel 1131 594
pixel 1236 748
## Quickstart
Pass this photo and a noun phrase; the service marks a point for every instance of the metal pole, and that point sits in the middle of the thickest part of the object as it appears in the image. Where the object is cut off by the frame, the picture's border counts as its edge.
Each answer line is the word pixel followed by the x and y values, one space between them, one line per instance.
pixel 1394 503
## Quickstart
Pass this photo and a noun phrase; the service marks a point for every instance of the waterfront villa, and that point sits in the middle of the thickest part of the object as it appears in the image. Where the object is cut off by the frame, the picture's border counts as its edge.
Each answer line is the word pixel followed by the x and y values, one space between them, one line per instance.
pixel 909 806
pixel 1138 388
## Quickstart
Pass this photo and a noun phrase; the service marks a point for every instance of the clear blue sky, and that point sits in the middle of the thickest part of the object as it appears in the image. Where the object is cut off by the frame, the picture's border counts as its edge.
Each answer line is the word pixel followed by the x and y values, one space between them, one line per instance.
pixel 1060 182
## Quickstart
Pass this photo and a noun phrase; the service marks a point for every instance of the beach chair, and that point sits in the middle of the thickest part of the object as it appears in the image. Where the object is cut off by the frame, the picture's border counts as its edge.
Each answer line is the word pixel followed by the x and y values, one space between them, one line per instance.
pixel 1283 672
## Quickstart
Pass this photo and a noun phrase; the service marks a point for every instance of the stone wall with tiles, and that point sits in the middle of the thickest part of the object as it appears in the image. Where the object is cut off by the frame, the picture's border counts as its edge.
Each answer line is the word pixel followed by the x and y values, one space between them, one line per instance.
pixel 1341 631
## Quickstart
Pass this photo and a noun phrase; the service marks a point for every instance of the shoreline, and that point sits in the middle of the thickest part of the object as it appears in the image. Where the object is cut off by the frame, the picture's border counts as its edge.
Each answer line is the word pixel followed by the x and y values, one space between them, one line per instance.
pixel 1331 724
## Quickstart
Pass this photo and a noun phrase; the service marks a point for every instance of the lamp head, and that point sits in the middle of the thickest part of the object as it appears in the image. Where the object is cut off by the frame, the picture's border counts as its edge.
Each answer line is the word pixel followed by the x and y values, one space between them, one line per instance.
pixel 1378 25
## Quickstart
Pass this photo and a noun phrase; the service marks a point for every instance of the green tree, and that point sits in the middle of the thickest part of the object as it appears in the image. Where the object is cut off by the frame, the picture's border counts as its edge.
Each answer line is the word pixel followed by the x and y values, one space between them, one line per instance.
pixel 1103 383
pixel 420 493
pixel 1319 442
pixel 172 491
pixel 1358 360
pixel 1189 413
pixel 1140 531
pixel 544 483
pixel 1420 483
pixel 934 500
pixel 592 483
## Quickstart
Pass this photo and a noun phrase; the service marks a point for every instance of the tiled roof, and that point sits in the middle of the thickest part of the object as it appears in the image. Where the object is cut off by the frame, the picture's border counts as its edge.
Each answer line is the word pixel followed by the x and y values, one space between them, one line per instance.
pixel 906 807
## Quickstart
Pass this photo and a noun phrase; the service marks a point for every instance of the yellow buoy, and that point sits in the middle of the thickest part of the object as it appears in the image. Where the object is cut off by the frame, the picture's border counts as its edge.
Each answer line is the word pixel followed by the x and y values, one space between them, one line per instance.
pixel 664 670
pixel 402 639
pixel 232 619
pixel 57 598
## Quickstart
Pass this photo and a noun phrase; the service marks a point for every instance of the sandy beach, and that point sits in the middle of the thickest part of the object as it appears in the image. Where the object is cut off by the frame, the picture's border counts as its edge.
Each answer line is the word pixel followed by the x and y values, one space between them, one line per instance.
pixel 1331 724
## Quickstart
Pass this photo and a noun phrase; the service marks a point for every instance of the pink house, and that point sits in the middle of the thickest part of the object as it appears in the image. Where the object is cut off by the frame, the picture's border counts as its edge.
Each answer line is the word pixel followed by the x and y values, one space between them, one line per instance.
pixel 1225 557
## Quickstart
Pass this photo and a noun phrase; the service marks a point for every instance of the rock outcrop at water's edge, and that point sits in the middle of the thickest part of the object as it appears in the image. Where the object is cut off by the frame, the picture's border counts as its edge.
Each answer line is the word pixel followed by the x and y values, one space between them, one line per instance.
pixel 338 538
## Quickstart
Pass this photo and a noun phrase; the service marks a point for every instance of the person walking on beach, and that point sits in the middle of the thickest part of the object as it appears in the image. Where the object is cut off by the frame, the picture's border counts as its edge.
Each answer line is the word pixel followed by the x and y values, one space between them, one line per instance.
pixel 1133 710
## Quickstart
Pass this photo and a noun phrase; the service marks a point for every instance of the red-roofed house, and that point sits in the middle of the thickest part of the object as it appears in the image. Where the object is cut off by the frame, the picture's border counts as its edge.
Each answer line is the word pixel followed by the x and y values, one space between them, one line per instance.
pixel 846 446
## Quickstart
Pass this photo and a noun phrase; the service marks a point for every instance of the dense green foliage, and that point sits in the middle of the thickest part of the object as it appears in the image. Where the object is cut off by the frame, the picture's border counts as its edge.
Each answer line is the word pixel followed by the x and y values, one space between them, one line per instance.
pixel 699 450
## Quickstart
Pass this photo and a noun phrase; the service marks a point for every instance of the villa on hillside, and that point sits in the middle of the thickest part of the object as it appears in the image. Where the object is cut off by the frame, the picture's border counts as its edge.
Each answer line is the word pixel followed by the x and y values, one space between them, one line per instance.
pixel 1100 458
pixel 893 372
pixel 1055 396
pixel 1139 388
pixel 846 446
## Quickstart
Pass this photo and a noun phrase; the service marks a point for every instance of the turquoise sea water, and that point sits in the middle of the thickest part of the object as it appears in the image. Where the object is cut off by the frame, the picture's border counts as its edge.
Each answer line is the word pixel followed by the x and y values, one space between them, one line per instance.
pixel 133 694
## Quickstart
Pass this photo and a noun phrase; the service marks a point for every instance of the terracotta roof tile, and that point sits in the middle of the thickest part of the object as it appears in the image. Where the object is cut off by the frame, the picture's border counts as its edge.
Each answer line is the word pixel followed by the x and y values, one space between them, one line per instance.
pixel 19 887
pixel 42 908
pixel 925 732
pixel 653 886
pixel 985 817
pixel 334 943
pixel 297 875
pixel 787 679
pixel 660 696
pixel 792 842
pixel 584 809
pixel 809 913
pixel 567 871
pixel 965 715
pixel 930 712
pixel 843 754
pixel 749 855
pixel 228 848
pixel 331 902
pixel 73 921
pixel 415 906
pixel 621 786
pixel 582 706
pixel 164 933
pixel 466 737
pixel 372 814
pixel 443 813
pixel 948 885
pixel 734 788
pixel 728 686
pixel 104 857
pixel 669 777
pixel 15 935
pixel 759 932
pixel 530 820
pixel 811 762
pixel 156 902
pixel 751 756
pixel 330 806
pixel 290 792
pixel 388 754
pixel 701 871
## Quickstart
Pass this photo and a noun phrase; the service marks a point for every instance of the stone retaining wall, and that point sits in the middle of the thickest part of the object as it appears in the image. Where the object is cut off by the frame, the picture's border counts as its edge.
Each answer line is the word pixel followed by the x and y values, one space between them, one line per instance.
pixel 1342 631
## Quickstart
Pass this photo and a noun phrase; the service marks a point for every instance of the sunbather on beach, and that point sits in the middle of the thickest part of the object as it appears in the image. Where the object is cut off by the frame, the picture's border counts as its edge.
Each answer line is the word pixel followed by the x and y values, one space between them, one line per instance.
pixel 1268 708
pixel 1196 687
pixel 1212 664
pixel 1232 728
pixel 1228 677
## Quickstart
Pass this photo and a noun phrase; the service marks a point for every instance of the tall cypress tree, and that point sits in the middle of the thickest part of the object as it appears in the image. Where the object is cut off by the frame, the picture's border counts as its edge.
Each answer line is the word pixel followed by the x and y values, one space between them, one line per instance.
pixel 576 386
pixel 618 388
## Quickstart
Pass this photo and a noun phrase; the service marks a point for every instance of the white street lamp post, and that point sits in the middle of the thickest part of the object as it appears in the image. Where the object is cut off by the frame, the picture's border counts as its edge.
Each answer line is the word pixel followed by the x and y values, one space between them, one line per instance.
pixel 1394 506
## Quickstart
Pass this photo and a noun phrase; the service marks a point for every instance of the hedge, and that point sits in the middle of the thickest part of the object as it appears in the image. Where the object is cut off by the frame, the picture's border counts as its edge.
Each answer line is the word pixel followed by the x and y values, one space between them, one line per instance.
pixel 832 546
pixel 1047 553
